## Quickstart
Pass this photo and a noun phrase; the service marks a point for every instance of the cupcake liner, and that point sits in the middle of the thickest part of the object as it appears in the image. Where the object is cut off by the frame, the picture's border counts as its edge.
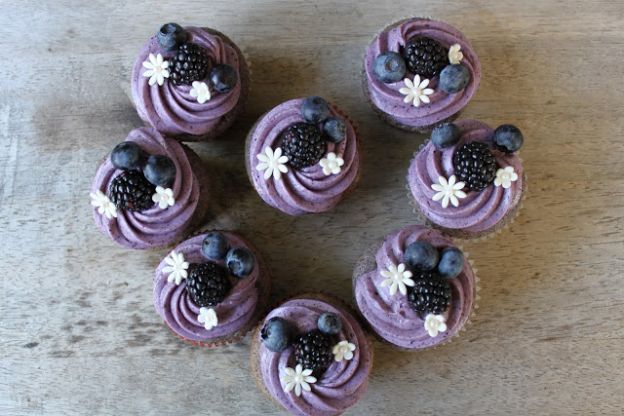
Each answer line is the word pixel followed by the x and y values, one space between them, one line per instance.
pixel 259 313
pixel 367 263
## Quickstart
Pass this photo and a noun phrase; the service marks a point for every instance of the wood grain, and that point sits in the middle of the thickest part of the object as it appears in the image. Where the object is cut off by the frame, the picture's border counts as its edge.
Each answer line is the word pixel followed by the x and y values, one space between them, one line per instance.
pixel 78 331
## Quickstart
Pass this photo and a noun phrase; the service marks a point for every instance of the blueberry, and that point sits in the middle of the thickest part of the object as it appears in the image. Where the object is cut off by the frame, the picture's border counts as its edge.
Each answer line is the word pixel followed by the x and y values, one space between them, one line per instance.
pixel 128 156
pixel 223 78
pixel 445 135
pixel 508 138
pixel 240 261
pixel 454 78
pixel 315 109
pixel 329 323
pixel 421 255
pixel 214 246
pixel 170 36
pixel 389 67
pixel 159 170
pixel 277 334
pixel 335 129
pixel 451 262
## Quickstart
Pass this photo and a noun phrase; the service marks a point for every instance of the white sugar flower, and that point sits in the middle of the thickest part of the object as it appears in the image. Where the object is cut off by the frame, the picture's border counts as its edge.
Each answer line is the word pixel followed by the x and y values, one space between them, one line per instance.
pixel 416 91
pixel 331 164
pixel 156 69
pixel 208 317
pixel 455 54
pixel 397 277
pixel 343 350
pixel 298 379
pixel 104 205
pixel 448 191
pixel 200 91
pixel 163 197
pixel 272 163
pixel 176 267
pixel 435 324
pixel 504 177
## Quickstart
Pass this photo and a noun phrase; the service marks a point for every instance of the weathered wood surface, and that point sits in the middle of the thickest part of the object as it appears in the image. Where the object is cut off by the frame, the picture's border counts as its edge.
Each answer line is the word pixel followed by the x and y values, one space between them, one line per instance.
pixel 78 331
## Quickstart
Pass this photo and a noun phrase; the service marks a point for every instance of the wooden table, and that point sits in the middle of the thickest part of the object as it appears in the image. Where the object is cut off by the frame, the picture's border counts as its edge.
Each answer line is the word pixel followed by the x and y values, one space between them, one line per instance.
pixel 79 334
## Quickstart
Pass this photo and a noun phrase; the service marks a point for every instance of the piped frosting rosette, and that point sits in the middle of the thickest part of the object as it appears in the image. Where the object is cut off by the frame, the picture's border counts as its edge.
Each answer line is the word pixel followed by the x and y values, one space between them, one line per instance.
pixel 390 315
pixel 308 190
pixel 343 382
pixel 173 109
pixel 234 315
pixel 156 226
pixel 479 211
pixel 387 98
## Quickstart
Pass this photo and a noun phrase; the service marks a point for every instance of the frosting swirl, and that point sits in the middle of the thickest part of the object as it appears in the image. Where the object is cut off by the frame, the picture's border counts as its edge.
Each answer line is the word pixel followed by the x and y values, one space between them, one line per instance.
pixel 175 306
pixel 388 99
pixel 391 317
pixel 155 227
pixel 170 108
pixel 479 211
pixel 342 384
pixel 307 190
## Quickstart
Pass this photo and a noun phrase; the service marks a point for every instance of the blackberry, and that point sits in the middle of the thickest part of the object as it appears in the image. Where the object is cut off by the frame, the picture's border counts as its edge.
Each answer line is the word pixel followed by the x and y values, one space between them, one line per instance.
pixel 303 144
pixel 425 56
pixel 131 191
pixel 190 63
pixel 207 283
pixel 314 351
pixel 475 165
pixel 430 293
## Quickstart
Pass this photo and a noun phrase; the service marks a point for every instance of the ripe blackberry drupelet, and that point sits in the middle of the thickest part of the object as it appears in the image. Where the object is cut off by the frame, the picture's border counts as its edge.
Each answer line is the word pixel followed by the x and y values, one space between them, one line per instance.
pixel 303 145
pixel 430 293
pixel 190 63
pixel 131 191
pixel 475 165
pixel 207 283
pixel 314 351
pixel 425 56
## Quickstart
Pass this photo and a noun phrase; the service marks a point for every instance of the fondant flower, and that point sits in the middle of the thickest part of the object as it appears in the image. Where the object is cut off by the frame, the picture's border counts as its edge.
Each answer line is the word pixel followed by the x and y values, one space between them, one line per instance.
pixel 208 317
pixel 435 324
pixel 448 190
pixel 200 91
pixel 504 177
pixel 297 379
pixel 343 350
pixel 176 267
pixel 331 164
pixel 416 91
pixel 455 54
pixel 272 163
pixel 397 278
pixel 163 197
pixel 104 205
pixel 156 69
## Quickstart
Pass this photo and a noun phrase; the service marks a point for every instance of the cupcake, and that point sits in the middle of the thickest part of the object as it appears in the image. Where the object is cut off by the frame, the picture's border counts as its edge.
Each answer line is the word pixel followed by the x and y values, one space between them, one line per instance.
pixel 420 72
pixel 468 180
pixel 189 83
pixel 212 288
pixel 302 156
pixel 311 356
pixel 150 191
pixel 415 289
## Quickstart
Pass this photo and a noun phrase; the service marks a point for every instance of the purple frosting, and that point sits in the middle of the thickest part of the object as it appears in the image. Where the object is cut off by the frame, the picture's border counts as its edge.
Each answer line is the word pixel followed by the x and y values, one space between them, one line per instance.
pixel 479 211
pixel 235 313
pixel 342 384
pixel 391 317
pixel 387 98
pixel 307 190
pixel 156 227
pixel 170 108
